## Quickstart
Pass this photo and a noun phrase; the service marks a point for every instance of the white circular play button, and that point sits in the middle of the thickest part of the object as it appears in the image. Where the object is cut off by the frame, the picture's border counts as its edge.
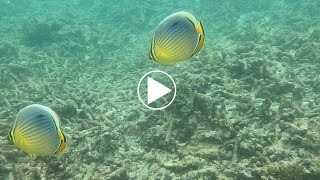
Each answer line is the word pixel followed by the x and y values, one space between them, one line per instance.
pixel 156 90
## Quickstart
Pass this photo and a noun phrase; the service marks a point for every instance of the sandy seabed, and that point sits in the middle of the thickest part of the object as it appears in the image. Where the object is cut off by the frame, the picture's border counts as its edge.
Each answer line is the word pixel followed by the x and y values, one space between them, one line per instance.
pixel 247 105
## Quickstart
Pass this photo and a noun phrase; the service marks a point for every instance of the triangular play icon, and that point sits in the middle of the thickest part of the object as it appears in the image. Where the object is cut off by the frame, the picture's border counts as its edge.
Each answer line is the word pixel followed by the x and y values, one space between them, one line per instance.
pixel 156 90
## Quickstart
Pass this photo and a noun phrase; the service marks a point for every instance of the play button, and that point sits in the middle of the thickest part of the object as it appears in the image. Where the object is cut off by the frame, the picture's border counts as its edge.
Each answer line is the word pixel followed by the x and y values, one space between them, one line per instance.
pixel 156 90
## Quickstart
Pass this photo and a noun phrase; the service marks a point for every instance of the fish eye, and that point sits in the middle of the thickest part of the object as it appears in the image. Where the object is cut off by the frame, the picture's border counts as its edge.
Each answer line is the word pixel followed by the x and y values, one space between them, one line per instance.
pixel 175 24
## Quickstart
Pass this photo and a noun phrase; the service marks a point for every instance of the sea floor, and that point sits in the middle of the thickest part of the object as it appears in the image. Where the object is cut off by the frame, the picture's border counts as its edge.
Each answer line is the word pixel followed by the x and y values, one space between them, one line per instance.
pixel 247 105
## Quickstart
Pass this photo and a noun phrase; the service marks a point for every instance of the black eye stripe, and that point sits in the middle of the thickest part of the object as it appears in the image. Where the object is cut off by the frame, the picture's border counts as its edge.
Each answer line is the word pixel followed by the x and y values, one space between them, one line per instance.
pixel 40 116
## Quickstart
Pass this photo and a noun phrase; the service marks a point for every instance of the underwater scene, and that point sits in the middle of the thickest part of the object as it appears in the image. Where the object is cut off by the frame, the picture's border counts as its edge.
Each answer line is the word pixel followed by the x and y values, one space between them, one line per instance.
pixel 246 103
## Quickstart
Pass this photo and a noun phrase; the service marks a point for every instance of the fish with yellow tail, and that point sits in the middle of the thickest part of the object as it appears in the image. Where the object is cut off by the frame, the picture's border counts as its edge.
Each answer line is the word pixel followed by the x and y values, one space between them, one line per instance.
pixel 36 130
pixel 177 38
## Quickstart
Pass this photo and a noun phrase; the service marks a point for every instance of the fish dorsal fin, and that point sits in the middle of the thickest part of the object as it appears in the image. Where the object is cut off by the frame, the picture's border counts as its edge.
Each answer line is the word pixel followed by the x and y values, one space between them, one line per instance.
pixel 199 29
pixel 63 144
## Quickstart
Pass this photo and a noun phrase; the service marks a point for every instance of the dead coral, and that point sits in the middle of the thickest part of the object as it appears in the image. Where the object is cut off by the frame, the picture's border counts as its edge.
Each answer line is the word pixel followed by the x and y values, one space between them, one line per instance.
pixel 286 171
pixel 309 52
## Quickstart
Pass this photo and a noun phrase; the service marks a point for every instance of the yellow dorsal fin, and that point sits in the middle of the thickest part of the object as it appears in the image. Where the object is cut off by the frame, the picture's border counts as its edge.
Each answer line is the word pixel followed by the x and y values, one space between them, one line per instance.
pixel 199 29
pixel 62 142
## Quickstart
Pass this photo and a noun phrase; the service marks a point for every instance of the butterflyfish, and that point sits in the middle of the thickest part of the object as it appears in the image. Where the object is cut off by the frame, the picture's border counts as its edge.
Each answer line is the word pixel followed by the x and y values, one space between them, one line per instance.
pixel 178 37
pixel 36 130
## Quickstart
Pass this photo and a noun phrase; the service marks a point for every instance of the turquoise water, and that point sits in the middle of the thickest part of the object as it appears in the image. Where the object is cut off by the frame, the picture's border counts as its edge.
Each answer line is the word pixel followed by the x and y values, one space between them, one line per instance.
pixel 247 105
